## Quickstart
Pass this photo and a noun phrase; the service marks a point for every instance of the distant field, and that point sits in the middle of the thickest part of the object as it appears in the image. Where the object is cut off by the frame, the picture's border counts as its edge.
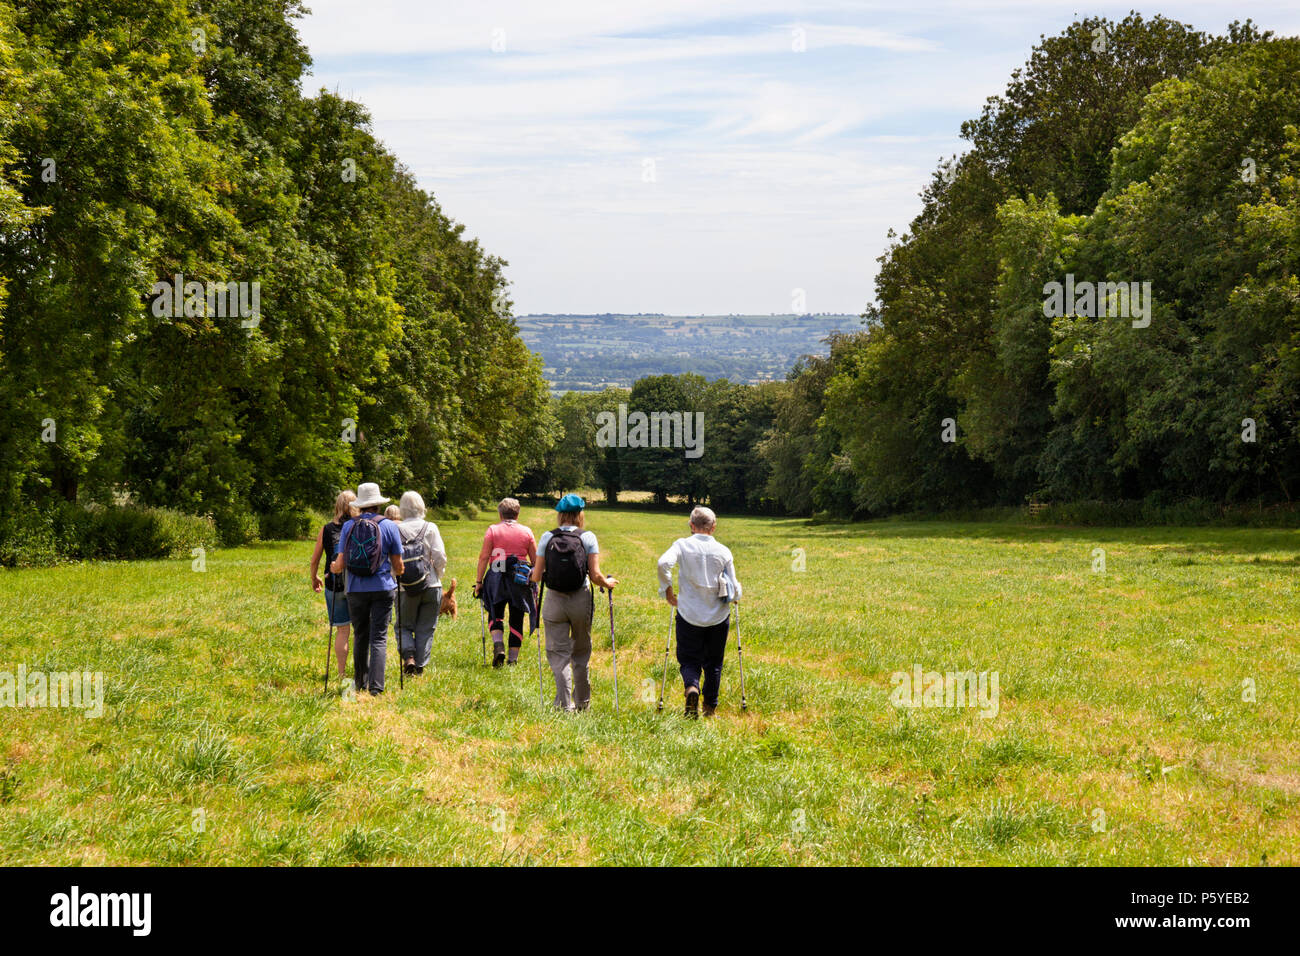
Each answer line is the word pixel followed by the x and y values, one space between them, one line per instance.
pixel 591 352
pixel 1121 734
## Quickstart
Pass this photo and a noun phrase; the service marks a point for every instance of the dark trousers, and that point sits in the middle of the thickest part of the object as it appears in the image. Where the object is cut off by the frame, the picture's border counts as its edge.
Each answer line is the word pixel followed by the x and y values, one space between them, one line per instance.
pixel 700 650
pixel 370 611
pixel 497 622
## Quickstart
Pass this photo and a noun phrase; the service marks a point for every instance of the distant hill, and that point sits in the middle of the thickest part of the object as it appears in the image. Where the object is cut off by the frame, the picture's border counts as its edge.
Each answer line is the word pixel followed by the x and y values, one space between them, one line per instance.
pixel 591 352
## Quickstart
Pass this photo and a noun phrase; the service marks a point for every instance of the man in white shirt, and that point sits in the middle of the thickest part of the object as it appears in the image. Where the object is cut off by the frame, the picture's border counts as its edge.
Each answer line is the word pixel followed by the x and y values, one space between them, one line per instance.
pixel 707 585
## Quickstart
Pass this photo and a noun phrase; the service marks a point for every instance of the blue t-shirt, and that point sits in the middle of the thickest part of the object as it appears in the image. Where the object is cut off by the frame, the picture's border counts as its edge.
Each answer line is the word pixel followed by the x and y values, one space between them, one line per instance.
pixel 390 540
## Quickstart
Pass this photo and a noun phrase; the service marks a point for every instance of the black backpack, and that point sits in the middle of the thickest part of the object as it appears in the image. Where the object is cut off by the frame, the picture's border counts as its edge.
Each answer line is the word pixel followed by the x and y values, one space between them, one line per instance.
pixel 415 563
pixel 566 561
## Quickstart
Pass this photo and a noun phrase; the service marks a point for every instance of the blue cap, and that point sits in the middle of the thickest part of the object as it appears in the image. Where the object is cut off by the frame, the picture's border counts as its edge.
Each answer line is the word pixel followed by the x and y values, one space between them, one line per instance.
pixel 571 502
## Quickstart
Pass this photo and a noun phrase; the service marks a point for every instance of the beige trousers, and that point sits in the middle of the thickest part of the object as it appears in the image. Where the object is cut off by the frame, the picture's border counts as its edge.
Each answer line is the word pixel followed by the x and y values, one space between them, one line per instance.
pixel 566 619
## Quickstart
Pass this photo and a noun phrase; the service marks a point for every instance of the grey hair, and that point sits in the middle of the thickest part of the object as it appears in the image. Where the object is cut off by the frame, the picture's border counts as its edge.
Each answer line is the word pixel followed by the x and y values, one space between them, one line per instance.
pixel 508 509
pixel 412 505
pixel 703 517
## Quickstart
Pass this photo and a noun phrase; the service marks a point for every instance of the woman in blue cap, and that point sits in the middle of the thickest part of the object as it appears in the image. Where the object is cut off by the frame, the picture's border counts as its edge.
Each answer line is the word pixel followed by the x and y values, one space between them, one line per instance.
pixel 568 562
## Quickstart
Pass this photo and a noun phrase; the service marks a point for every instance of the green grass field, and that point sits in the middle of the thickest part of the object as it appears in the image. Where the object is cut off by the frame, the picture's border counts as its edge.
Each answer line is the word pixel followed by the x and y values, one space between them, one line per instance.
pixel 1122 734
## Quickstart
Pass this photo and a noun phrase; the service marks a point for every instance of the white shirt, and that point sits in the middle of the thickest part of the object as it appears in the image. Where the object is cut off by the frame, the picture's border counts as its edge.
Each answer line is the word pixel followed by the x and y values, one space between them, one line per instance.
pixel 704 562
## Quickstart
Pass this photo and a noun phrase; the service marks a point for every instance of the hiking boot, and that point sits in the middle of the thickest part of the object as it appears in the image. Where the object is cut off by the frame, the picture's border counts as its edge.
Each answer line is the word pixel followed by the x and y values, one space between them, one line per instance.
pixel 498 658
pixel 692 703
pixel 417 669
pixel 710 710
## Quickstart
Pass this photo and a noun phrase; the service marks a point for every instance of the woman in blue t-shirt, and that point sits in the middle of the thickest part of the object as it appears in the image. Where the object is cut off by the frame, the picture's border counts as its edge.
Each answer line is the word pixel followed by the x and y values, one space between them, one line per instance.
pixel 370 595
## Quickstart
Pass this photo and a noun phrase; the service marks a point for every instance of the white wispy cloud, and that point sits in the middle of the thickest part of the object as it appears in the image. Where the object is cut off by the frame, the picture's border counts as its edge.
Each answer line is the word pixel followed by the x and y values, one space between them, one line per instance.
pixel 773 169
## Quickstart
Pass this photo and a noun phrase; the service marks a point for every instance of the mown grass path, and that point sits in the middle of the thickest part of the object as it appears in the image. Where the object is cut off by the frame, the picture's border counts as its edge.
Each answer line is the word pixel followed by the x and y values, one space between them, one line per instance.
pixel 1122 735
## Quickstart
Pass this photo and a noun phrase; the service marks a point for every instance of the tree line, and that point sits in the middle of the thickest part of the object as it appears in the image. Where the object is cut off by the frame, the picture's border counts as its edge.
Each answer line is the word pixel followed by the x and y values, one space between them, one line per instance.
pixel 148 147
pixel 225 297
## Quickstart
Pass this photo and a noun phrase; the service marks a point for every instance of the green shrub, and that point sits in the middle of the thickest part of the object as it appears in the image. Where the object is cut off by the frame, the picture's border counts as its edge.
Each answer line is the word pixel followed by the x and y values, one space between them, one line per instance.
pixel 134 533
pixel 63 531
pixel 184 532
pixel 235 527
pixel 1161 510
pixel 286 525
pixel 28 540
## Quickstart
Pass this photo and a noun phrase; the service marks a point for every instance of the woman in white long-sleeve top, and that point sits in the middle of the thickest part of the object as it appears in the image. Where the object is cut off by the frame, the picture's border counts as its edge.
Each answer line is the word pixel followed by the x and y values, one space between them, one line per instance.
pixel 421 582
pixel 707 586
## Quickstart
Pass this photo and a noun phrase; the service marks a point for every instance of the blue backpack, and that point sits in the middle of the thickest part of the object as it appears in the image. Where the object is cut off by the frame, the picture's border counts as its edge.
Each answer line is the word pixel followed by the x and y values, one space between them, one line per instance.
pixel 364 549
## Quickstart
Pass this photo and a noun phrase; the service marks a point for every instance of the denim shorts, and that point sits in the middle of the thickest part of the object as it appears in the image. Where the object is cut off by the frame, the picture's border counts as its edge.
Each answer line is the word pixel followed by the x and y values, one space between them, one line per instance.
pixel 336 603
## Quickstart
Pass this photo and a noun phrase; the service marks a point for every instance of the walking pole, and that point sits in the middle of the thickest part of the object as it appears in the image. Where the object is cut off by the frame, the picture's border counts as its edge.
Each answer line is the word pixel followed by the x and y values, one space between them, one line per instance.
pixel 613 647
pixel 667 646
pixel 541 630
pixel 329 647
pixel 741 658
pixel 482 623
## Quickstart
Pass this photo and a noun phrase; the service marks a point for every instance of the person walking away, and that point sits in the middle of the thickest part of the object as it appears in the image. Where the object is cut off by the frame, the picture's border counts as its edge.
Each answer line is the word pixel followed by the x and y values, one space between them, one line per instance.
pixel 506 545
pixel 370 549
pixel 336 599
pixel 707 587
pixel 568 562
pixel 420 583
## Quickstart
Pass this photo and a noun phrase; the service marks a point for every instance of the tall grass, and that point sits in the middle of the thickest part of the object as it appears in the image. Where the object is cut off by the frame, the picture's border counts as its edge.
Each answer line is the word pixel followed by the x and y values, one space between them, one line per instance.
pixel 1122 735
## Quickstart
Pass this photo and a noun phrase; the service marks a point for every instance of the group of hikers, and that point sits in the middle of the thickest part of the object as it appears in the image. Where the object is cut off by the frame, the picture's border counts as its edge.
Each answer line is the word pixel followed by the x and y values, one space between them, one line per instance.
pixel 378 562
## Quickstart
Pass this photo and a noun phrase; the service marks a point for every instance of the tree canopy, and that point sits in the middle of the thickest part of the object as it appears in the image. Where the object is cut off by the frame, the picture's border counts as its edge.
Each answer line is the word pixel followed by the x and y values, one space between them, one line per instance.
pixel 160 143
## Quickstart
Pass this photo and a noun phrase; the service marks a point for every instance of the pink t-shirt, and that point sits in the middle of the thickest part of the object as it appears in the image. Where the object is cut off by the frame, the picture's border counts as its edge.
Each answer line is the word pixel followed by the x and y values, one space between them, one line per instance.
pixel 508 537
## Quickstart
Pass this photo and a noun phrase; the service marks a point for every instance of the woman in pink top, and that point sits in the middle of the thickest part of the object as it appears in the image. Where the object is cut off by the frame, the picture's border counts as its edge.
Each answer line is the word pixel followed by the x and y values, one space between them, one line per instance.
pixel 505 544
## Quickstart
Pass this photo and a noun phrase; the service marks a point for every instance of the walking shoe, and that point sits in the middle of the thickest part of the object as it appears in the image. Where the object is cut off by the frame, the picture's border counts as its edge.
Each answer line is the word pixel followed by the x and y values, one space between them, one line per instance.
pixel 498 658
pixel 418 669
pixel 692 703
pixel 710 710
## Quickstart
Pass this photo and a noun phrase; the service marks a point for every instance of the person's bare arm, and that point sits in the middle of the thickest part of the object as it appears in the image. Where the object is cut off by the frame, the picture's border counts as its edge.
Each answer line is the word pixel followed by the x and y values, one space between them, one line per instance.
pixel 594 572
pixel 316 584
pixel 395 559
pixel 483 554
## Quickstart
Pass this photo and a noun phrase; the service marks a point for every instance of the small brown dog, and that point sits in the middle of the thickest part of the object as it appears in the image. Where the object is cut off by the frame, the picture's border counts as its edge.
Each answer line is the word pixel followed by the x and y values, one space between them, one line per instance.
pixel 448 605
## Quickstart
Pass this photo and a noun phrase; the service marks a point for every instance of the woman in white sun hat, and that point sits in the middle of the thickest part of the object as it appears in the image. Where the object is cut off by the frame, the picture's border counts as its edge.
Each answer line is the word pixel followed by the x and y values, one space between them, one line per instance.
pixel 370 550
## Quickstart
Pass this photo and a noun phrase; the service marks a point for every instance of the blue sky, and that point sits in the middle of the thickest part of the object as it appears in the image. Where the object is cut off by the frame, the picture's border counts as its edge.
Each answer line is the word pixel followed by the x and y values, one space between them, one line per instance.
pixel 686 156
